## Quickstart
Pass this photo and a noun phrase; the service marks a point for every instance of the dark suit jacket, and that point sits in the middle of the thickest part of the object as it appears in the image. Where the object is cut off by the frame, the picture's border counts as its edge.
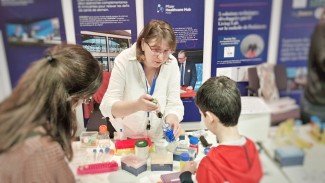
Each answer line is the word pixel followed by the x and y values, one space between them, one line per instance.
pixel 190 74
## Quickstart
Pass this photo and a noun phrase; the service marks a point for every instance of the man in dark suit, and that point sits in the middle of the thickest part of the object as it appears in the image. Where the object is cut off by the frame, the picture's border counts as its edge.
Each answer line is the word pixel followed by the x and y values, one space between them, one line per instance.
pixel 187 70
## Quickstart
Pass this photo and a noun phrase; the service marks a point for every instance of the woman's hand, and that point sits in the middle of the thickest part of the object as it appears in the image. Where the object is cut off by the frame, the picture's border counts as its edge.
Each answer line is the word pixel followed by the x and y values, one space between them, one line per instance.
pixel 172 120
pixel 145 103
pixel 189 166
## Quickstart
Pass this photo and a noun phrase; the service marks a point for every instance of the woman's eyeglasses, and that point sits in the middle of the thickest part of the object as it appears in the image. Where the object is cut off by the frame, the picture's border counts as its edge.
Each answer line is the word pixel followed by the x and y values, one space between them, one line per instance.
pixel 157 52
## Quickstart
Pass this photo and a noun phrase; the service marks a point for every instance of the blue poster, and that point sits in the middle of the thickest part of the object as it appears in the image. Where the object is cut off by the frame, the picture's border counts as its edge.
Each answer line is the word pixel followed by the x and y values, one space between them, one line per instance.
pixel 298 20
pixel 187 19
pixel 240 33
pixel 28 28
pixel 105 27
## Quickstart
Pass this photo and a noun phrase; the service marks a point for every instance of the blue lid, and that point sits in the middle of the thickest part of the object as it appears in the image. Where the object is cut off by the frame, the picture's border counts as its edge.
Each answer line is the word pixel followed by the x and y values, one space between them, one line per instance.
pixel 315 119
pixel 169 135
pixel 194 140
pixel 207 150
pixel 107 149
pixel 185 156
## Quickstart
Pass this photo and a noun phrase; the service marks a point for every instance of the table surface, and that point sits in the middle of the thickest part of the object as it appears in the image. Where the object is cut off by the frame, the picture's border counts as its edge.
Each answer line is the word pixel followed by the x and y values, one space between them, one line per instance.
pixel 313 169
pixel 271 171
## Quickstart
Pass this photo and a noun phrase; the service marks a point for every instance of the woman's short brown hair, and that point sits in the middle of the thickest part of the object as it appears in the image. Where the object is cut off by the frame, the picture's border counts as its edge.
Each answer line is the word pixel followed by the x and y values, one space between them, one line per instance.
pixel 156 30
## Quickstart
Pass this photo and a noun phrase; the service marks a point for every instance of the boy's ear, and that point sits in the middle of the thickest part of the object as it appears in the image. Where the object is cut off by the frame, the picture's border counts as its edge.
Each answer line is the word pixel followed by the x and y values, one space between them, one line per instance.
pixel 209 116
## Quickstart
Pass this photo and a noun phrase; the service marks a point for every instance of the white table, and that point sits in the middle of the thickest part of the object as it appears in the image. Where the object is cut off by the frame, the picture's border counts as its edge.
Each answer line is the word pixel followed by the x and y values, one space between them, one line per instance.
pixel 313 168
pixel 271 172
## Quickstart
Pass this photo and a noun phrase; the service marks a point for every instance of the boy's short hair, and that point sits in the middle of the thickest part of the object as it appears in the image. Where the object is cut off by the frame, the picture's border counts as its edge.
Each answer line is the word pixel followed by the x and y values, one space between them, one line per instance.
pixel 220 95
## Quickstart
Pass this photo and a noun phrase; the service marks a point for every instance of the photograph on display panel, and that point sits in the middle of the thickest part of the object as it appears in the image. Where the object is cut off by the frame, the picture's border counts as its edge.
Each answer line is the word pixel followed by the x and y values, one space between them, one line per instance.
pixel 34 33
pixel 106 45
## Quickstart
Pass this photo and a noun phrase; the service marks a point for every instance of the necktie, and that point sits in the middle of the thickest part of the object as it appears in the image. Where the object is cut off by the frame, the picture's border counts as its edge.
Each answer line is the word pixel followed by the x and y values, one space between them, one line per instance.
pixel 182 74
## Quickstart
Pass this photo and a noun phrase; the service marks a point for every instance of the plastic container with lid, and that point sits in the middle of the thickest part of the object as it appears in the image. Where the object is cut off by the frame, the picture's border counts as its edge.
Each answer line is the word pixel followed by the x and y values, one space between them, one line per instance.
pixel 133 164
pixel 168 133
pixel 89 139
pixel 194 143
pixel 103 137
pixel 184 157
pixel 142 149
pixel 161 159
pixel 169 136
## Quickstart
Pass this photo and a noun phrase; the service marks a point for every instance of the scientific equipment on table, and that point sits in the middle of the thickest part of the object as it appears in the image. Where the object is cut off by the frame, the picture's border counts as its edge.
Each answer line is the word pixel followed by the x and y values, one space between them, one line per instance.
pixel 179 150
pixel 182 144
pixel 207 150
pixel 89 139
pixel 161 159
pixel 94 155
pixel 142 149
pixel 100 156
pixel 97 168
pixel 194 143
pixel 109 153
pixel 184 157
pixel 169 136
pixel 103 137
pixel 204 142
pixel 133 164
pixel 168 133
pixel 128 146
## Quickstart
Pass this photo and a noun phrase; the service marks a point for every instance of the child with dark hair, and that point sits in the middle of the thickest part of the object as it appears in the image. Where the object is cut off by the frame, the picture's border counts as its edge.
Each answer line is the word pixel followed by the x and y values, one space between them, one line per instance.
pixel 235 159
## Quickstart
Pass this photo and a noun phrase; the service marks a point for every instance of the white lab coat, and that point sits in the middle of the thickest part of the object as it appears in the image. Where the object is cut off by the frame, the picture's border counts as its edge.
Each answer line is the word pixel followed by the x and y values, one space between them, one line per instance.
pixel 128 83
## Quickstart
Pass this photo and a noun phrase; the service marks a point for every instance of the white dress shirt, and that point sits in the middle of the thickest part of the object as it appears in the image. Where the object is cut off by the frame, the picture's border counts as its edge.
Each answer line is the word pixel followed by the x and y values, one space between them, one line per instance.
pixel 128 83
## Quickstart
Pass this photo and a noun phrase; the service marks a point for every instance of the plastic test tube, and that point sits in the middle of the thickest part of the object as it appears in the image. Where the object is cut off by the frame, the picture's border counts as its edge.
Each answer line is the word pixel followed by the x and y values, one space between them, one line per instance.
pixel 94 155
pixel 100 155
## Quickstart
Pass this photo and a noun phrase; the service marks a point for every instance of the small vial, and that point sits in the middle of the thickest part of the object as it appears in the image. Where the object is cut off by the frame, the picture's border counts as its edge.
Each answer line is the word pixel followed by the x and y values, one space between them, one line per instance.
pixel 170 138
pixel 142 149
pixel 94 155
pixel 100 156
pixel 107 157
pixel 168 133
pixel 207 150
pixel 121 134
pixel 103 136
pixel 194 143
pixel 184 157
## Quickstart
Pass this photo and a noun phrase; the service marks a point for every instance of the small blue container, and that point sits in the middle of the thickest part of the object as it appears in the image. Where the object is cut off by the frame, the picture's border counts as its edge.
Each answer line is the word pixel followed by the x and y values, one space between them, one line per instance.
pixel 168 132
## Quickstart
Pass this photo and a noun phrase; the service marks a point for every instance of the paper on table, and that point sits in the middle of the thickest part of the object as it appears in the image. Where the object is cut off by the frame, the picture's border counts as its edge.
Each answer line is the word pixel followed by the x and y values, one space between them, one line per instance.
pixel 253 105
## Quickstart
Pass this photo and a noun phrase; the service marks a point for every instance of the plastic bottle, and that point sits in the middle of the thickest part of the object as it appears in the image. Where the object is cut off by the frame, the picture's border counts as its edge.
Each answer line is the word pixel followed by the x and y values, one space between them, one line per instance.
pixel 142 149
pixel 168 133
pixel 103 137
pixel 121 135
pixel 169 136
pixel 184 157
pixel 194 143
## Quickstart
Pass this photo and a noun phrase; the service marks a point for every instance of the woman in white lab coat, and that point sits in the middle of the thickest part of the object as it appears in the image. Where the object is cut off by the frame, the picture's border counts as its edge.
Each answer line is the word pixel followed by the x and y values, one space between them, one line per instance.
pixel 144 72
